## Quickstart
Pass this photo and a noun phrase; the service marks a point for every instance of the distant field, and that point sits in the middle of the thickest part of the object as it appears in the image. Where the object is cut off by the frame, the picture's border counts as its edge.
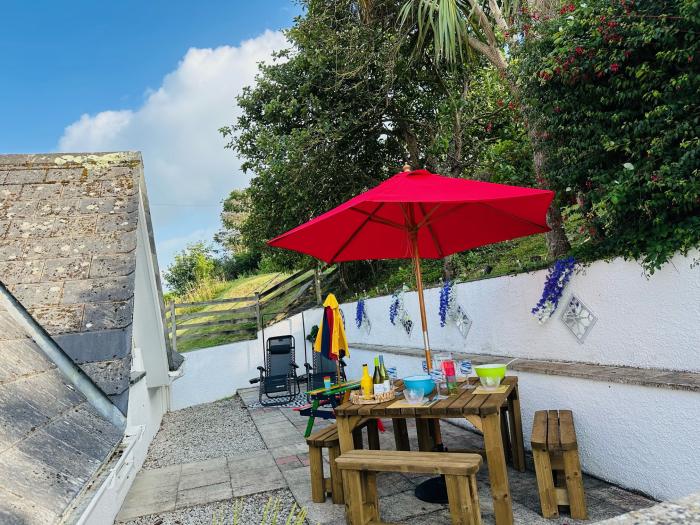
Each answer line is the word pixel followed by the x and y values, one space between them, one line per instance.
pixel 241 287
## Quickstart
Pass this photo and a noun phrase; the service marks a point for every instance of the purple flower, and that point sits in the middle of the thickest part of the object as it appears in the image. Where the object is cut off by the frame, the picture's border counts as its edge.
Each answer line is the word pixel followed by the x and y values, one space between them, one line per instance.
pixel 558 277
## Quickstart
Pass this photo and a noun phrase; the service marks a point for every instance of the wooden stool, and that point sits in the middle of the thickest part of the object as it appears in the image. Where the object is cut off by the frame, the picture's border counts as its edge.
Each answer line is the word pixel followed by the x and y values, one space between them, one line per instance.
pixel 328 438
pixel 361 466
pixel 320 485
pixel 555 452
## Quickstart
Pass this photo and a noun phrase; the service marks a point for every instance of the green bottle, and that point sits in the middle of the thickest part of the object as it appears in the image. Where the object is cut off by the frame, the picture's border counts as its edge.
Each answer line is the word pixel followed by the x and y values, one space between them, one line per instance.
pixel 384 374
pixel 377 378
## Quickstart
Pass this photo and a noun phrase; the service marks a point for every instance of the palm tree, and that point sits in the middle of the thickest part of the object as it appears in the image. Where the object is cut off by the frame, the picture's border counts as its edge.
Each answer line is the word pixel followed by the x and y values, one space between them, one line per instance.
pixel 460 27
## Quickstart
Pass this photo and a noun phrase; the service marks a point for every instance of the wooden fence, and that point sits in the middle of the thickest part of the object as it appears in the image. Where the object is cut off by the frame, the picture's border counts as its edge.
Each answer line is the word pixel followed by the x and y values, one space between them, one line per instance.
pixel 226 320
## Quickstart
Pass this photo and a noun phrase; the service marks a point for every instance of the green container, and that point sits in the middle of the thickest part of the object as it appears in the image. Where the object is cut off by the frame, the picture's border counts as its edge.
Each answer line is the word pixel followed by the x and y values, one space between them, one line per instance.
pixel 490 375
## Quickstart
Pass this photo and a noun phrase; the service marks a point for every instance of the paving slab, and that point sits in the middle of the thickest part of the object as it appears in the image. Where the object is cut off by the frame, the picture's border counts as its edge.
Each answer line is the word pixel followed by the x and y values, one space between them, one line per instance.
pixel 204 494
pixel 203 473
pixel 250 475
pixel 299 482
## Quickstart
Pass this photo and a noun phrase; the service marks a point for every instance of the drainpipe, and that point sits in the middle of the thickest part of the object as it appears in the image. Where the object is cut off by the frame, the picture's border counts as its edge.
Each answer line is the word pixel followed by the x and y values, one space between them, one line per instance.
pixel 65 364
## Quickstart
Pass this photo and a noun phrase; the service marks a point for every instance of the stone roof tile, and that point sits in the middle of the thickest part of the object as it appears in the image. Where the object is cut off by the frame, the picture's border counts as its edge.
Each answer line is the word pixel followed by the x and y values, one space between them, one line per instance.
pixel 67 249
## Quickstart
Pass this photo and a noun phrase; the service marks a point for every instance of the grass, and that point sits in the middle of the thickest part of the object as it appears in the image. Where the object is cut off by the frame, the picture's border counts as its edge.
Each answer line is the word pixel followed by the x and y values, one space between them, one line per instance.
pixel 208 336
pixel 208 291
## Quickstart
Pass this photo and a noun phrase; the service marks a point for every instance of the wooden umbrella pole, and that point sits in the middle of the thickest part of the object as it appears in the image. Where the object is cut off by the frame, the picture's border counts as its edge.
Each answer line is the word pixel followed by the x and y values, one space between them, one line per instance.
pixel 421 299
pixel 435 423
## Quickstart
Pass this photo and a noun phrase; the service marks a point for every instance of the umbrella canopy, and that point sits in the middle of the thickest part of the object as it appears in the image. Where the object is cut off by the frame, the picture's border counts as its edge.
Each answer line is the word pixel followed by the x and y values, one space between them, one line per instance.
pixel 331 340
pixel 446 215
pixel 418 214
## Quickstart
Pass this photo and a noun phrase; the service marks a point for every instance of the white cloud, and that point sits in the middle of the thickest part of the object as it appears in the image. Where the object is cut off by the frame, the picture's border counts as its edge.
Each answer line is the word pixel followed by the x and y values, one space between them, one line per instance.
pixel 176 128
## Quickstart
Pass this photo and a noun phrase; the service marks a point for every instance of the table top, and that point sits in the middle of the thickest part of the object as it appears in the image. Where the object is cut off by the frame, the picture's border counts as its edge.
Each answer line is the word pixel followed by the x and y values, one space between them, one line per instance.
pixel 334 389
pixel 464 402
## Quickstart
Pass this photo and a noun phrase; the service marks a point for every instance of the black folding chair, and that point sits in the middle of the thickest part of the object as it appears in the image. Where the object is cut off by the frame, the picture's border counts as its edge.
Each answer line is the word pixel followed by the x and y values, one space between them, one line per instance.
pixel 278 378
pixel 322 367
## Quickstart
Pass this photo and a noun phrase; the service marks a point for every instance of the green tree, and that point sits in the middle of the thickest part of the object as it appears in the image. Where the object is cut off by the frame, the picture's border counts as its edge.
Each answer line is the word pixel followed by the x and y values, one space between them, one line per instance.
pixel 456 30
pixel 191 266
pixel 613 87
pixel 346 106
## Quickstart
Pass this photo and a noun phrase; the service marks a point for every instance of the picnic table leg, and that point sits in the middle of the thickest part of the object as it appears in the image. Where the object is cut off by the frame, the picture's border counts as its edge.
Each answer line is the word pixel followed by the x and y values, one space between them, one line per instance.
pixel 435 431
pixel 516 429
pixel 400 434
pixel 346 426
pixel 312 417
pixel 372 435
pixel 498 474
pixel 425 440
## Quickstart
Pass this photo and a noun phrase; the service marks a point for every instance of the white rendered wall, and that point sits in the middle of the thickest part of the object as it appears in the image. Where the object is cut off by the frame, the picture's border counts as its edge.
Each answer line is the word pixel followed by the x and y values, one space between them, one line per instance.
pixel 214 373
pixel 642 322
pixel 640 438
pixel 217 372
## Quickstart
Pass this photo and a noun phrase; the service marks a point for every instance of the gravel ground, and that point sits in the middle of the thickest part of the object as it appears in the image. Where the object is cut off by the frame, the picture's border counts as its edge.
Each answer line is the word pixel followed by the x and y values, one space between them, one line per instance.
pixel 223 428
pixel 222 512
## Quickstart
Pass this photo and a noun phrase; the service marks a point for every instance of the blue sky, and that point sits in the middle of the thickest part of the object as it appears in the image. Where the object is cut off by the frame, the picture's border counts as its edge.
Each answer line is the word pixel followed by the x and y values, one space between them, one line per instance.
pixel 156 76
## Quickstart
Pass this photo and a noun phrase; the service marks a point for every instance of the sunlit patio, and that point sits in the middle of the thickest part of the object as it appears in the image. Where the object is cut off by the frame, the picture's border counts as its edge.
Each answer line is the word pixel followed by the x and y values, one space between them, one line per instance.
pixel 207 458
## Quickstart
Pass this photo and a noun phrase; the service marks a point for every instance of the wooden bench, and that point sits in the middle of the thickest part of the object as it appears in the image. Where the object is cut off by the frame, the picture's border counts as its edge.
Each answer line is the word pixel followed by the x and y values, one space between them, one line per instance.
pixel 557 464
pixel 328 438
pixel 361 466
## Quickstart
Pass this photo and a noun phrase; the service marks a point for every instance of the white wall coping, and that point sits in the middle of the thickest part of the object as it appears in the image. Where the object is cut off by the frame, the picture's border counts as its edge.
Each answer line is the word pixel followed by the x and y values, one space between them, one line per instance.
pixel 652 377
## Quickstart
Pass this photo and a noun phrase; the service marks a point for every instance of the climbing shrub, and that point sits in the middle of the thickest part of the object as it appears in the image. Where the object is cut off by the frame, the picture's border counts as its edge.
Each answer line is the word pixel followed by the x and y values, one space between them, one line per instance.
pixel 612 90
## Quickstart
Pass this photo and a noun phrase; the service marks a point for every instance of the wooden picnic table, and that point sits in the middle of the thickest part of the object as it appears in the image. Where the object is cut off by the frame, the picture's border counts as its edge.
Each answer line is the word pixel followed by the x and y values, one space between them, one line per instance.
pixel 491 413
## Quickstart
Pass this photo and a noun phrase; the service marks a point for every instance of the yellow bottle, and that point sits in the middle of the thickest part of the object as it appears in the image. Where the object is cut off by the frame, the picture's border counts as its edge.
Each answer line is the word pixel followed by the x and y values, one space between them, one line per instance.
pixel 366 383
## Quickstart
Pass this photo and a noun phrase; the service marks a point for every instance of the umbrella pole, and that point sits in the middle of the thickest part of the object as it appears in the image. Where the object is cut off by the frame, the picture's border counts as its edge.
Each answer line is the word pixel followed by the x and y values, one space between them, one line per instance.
pixel 421 300
pixel 433 490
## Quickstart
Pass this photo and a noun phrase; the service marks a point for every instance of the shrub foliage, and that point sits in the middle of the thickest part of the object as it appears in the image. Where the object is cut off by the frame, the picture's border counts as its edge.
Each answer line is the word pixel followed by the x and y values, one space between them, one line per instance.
pixel 612 90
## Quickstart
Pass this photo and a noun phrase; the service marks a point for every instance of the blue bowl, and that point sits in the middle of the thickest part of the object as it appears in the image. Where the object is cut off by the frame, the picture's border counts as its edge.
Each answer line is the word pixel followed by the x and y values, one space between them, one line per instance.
pixel 420 382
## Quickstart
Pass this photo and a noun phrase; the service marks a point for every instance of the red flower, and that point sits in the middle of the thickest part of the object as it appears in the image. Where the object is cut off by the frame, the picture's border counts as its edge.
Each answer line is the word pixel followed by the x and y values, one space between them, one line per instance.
pixel 614 67
pixel 499 103
pixel 557 109
pixel 489 127
pixel 511 105
pixel 579 50
pixel 599 74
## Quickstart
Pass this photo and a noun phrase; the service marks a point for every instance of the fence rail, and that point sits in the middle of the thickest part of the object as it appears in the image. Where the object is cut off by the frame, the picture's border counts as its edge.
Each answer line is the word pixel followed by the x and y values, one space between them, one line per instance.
pixel 221 324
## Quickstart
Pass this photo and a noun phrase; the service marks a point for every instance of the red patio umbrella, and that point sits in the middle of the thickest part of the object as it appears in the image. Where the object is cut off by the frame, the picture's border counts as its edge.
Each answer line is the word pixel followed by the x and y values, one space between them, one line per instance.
pixel 418 214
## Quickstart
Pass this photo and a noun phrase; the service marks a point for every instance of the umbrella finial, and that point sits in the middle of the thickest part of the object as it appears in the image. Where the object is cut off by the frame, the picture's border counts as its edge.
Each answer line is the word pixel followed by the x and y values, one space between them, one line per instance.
pixel 406 167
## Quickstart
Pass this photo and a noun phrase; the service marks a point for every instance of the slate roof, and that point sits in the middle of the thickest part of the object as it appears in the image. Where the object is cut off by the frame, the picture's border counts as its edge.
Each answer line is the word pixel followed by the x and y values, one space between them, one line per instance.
pixel 67 253
pixel 52 441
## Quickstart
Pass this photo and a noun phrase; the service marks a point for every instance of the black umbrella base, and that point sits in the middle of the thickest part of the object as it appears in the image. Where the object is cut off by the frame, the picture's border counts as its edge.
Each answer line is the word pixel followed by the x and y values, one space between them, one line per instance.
pixel 432 490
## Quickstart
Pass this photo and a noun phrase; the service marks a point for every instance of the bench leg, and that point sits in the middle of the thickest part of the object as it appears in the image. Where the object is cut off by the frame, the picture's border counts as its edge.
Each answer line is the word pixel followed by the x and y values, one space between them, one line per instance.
pixel 372 434
pixel 336 477
pixel 574 485
pixel 460 500
pixel 318 492
pixel 545 483
pixel 371 498
pixel 474 495
pixel 359 494
pixel 401 434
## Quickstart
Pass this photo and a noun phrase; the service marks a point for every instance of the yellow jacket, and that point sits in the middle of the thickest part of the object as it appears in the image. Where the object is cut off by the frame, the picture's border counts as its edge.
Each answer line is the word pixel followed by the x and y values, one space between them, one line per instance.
pixel 338 340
